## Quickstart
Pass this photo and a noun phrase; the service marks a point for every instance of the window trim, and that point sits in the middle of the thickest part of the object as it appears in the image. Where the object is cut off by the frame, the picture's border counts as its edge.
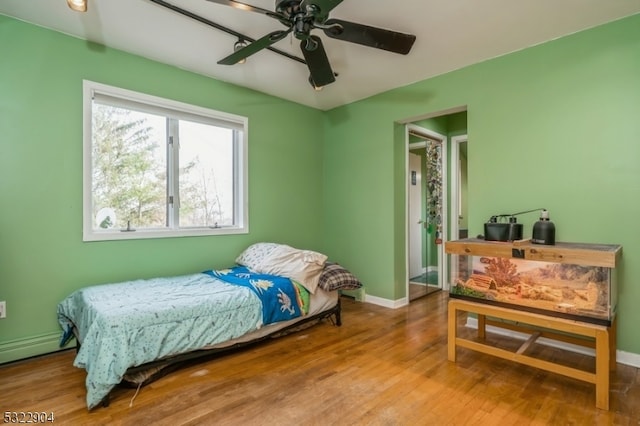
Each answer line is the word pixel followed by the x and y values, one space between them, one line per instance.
pixel 240 166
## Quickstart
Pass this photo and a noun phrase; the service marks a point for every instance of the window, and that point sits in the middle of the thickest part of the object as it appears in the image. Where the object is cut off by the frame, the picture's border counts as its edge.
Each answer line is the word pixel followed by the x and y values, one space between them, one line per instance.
pixel 160 168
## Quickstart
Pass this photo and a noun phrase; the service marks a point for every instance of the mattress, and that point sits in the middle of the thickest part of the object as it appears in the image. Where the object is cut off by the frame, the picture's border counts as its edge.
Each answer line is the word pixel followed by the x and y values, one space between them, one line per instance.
pixel 129 324
pixel 320 301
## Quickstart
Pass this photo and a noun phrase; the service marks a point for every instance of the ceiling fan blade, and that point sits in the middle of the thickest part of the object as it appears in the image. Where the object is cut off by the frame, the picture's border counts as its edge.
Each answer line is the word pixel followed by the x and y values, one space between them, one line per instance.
pixel 254 47
pixel 324 6
pixel 370 36
pixel 244 6
pixel 317 61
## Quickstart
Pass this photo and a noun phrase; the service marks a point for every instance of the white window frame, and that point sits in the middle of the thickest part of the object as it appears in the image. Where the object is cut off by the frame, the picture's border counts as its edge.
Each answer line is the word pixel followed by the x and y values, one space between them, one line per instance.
pixel 240 166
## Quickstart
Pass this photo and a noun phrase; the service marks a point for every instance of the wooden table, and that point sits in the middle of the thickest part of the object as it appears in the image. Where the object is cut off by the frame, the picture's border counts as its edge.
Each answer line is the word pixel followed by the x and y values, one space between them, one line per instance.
pixel 600 337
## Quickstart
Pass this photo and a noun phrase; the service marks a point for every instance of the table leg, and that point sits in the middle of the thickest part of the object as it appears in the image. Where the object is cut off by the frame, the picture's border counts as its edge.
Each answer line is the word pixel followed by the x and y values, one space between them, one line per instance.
pixel 452 332
pixel 482 326
pixel 613 344
pixel 603 349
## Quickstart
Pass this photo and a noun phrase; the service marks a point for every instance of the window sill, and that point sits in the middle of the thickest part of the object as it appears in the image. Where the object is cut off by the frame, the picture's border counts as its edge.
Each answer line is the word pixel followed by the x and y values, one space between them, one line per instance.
pixel 139 234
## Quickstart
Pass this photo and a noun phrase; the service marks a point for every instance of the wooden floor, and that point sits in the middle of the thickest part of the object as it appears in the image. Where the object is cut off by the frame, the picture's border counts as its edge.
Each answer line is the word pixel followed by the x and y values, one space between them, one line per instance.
pixel 420 290
pixel 382 367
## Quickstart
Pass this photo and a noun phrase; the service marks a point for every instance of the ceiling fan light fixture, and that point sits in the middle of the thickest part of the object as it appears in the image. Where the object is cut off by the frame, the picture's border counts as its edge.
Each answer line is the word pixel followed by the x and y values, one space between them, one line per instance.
pixel 240 44
pixel 78 5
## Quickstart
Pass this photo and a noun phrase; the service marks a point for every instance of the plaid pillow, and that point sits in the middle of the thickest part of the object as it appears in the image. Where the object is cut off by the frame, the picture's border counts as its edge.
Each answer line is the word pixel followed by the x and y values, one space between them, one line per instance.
pixel 335 277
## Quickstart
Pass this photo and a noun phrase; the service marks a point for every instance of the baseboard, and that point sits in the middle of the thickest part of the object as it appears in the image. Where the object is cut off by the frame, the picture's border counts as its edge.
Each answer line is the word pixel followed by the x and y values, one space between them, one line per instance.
pixel 25 348
pixel 626 358
pixel 393 304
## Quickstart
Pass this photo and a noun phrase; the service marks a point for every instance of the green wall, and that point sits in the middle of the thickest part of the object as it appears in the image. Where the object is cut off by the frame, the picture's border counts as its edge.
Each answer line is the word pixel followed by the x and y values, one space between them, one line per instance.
pixel 42 256
pixel 554 126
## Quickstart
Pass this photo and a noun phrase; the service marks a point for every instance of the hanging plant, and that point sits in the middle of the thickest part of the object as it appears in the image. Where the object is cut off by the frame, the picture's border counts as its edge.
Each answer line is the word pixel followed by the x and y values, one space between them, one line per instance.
pixel 434 188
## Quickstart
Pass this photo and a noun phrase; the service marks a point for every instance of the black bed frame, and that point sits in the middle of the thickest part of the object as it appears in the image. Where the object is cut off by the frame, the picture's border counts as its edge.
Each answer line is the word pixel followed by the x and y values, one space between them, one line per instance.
pixel 167 365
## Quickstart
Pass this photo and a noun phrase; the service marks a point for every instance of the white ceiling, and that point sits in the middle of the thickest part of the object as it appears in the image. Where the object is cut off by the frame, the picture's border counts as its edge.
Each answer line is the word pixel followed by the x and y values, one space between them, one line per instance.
pixel 451 34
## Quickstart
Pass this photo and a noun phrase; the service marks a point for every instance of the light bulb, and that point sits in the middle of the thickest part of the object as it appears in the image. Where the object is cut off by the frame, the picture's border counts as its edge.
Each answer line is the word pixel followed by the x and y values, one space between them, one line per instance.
pixel 78 5
pixel 240 44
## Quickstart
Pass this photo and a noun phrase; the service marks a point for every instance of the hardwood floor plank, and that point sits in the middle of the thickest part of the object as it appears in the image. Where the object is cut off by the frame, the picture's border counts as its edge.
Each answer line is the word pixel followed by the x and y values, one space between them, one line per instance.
pixel 382 367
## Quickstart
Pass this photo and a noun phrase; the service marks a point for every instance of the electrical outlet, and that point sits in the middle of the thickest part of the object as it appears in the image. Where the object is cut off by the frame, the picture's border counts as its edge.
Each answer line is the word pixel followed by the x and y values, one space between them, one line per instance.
pixel 3 309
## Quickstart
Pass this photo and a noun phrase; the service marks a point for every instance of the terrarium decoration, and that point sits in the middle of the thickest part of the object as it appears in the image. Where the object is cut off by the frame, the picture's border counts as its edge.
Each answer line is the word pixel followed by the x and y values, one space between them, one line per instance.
pixel 557 287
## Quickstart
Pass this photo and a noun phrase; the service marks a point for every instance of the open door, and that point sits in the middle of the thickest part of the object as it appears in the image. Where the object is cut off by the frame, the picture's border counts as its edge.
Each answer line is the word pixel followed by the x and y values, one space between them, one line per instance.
pixel 426 207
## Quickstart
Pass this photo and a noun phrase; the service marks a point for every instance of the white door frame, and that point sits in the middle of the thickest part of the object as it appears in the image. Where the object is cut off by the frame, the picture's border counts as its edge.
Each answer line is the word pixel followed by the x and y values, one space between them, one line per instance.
pixel 455 198
pixel 443 281
pixel 455 185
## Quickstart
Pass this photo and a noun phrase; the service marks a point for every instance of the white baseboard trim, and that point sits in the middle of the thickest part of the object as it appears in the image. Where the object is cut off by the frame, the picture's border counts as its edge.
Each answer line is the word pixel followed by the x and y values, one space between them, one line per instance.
pixel 393 304
pixel 25 348
pixel 626 358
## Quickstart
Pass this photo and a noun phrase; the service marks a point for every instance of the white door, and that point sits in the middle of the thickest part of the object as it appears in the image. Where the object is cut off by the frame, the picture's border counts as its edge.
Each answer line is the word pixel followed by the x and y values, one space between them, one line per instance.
pixel 415 216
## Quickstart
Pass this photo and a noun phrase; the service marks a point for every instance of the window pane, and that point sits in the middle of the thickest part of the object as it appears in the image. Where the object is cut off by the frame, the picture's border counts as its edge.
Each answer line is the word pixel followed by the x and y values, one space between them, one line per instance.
pixel 163 167
pixel 129 162
pixel 206 175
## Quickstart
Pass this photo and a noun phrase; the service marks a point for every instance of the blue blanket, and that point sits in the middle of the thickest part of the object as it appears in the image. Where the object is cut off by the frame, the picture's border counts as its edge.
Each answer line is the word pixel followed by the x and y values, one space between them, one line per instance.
pixel 280 298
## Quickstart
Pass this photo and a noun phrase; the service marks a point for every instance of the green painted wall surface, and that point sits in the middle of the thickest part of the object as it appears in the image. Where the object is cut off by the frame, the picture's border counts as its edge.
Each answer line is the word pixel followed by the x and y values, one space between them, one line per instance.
pixel 554 126
pixel 356 189
pixel 42 256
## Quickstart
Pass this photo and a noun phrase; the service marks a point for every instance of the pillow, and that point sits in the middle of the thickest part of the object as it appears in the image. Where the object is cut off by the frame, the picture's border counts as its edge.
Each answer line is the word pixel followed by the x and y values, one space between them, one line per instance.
pixel 253 255
pixel 304 266
pixel 335 277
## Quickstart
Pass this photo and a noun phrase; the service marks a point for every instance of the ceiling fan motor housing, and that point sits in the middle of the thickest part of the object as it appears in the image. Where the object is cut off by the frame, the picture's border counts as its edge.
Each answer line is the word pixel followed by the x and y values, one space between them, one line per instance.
pixel 298 19
pixel 288 8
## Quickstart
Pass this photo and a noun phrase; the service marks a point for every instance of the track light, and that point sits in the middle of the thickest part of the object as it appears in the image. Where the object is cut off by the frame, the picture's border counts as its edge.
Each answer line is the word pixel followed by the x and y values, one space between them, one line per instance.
pixel 78 5
pixel 240 44
pixel 313 84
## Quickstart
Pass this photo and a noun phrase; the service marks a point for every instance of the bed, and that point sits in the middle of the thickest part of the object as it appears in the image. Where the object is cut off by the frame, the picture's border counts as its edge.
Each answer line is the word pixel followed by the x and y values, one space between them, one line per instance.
pixel 134 332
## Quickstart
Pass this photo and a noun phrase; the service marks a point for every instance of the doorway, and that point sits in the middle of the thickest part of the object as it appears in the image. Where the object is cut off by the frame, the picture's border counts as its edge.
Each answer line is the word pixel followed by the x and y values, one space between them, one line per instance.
pixel 459 215
pixel 459 211
pixel 427 211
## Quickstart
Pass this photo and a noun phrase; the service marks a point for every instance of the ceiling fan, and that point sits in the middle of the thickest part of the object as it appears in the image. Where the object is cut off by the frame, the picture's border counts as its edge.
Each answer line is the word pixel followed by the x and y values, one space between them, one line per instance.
pixel 301 17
